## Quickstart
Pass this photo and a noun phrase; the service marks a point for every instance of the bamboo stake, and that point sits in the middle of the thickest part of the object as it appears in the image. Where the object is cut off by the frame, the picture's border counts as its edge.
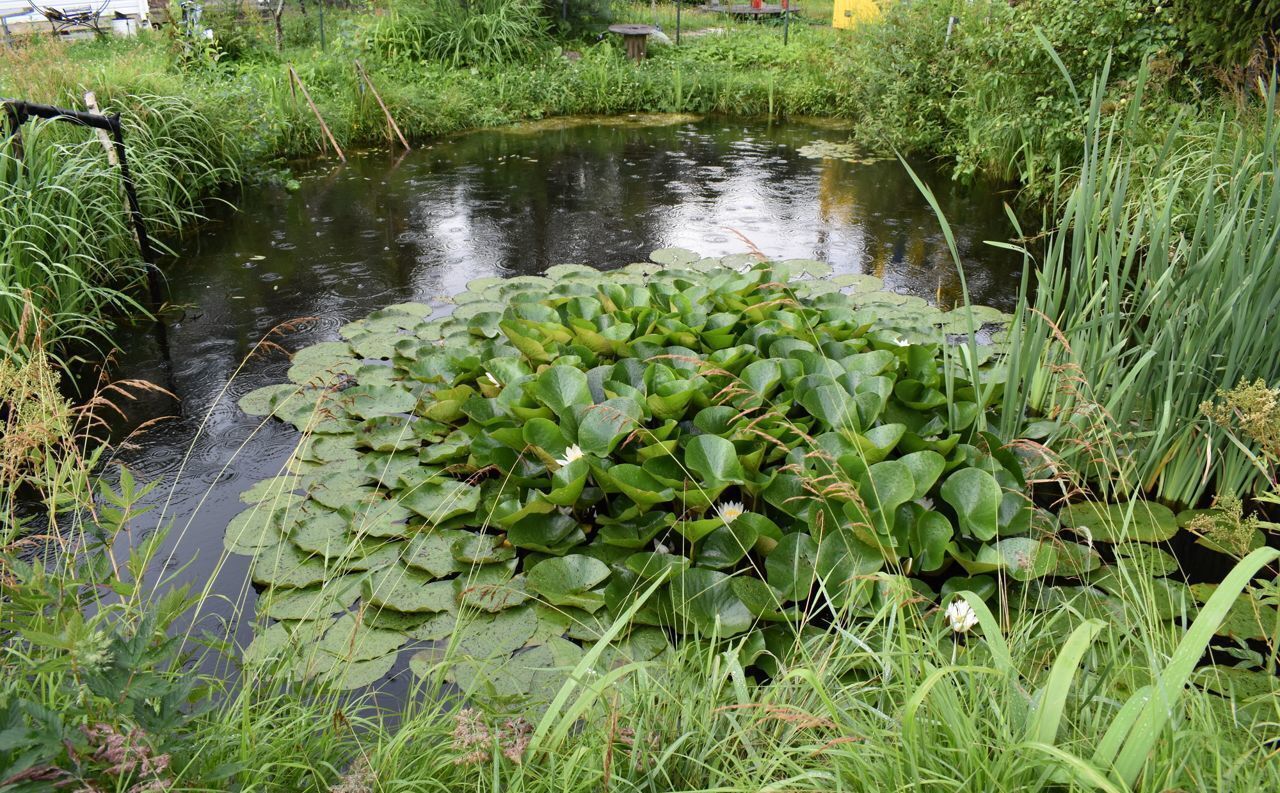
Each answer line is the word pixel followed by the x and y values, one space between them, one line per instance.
pixel 298 81
pixel 391 122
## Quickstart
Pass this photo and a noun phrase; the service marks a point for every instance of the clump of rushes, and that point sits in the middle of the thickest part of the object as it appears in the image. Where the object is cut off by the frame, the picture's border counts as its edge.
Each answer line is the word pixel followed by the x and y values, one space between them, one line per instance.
pixel 68 257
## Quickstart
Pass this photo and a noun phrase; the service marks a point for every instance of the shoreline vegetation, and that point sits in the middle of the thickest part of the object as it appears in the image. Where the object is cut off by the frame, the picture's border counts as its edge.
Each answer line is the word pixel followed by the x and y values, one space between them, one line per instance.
pixel 1008 612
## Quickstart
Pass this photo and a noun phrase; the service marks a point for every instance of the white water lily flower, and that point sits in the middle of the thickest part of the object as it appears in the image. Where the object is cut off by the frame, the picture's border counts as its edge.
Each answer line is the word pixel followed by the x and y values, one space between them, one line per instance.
pixel 570 454
pixel 660 548
pixel 489 376
pixel 730 510
pixel 961 616
pixel 925 502
pixel 901 342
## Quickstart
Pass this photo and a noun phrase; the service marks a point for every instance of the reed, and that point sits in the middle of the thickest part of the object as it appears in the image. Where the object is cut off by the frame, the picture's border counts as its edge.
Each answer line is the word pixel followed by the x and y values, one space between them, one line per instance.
pixel 1155 288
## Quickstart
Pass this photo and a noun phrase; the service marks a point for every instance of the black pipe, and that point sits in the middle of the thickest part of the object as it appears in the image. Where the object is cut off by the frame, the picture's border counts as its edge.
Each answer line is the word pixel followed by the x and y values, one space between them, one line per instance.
pixel 135 212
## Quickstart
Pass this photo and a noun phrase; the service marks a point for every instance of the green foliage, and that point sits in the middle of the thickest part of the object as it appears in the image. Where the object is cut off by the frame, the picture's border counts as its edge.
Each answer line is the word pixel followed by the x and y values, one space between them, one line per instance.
pixel 68 256
pixel 572 440
pixel 1225 33
pixel 1133 286
pixel 578 17
pixel 745 453
pixel 456 33
pixel 92 693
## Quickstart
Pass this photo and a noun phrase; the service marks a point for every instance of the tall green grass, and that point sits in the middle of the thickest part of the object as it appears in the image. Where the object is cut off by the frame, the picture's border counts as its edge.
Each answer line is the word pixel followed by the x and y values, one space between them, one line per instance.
pixel 1154 288
pixel 893 700
pixel 477 33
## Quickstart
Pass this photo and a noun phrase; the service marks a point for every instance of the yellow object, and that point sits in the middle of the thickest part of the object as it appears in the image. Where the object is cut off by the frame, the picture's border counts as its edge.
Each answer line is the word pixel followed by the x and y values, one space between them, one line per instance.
pixel 848 13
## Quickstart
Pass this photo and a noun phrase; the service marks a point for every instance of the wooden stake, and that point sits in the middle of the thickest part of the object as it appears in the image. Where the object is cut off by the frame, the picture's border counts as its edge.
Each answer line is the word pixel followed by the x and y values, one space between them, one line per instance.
pixel 276 13
pixel 391 122
pixel 91 102
pixel 298 81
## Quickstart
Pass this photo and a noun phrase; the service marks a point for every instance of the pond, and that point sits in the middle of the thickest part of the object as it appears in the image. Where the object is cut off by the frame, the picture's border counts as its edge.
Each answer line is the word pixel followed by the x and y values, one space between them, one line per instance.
pixel 386 228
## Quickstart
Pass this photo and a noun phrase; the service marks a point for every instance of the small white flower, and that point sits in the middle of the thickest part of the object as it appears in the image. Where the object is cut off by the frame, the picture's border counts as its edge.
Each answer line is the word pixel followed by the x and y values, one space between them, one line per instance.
pixel 660 548
pixel 570 454
pixel 925 502
pixel 961 615
pixel 901 342
pixel 489 376
pixel 730 510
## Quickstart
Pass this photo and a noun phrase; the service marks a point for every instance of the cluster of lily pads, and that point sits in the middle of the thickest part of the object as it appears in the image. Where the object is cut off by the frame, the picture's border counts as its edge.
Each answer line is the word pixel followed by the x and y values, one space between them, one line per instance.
pixel 714 447
pixel 830 150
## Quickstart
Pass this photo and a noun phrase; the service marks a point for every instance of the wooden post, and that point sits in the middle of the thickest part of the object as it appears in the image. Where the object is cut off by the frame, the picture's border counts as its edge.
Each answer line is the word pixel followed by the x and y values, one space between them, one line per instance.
pixel 298 82
pixel 279 10
pixel 391 122
pixel 91 103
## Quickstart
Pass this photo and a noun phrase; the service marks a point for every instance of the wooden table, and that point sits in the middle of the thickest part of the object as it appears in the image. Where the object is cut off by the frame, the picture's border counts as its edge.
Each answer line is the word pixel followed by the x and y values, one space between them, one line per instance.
pixel 635 37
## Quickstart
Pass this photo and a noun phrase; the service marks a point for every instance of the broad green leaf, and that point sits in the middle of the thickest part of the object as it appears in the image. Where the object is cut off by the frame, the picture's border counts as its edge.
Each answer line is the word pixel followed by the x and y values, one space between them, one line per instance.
pixel 975 496
pixel 1136 520
pixel 714 459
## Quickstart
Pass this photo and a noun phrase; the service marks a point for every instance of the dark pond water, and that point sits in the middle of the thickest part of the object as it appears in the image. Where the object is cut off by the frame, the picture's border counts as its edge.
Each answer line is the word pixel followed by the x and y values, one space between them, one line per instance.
pixel 385 229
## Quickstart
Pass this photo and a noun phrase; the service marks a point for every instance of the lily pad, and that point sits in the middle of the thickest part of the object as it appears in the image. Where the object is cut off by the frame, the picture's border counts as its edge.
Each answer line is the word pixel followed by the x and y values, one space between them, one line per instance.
pixel 1144 521
pixel 567 580
pixel 409 590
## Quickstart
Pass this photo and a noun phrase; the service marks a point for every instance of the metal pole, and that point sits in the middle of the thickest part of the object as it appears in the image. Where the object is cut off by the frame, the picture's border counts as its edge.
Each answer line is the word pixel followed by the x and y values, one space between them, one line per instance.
pixel 16 119
pixel 135 213
pixel 679 5
pixel 320 10
pixel 19 112
pixel 786 22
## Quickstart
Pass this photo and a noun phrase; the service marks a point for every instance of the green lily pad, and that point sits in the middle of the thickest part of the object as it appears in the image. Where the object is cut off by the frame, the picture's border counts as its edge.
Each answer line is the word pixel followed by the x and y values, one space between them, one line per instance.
pixel 256 529
pixel 312 603
pixel 975 495
pixel 708 603
pixel 286 566
pixel 439 501
pixel 1023 558
pixel 674 256
pixel 1144 521
pixel 432 550
pixel 568 580
pixel 409 590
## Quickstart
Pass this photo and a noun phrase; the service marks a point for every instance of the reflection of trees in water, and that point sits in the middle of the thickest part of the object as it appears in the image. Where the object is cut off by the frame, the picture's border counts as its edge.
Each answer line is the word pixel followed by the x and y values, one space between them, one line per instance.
pixel 614 181
pixel 904 243
pixel 376 231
